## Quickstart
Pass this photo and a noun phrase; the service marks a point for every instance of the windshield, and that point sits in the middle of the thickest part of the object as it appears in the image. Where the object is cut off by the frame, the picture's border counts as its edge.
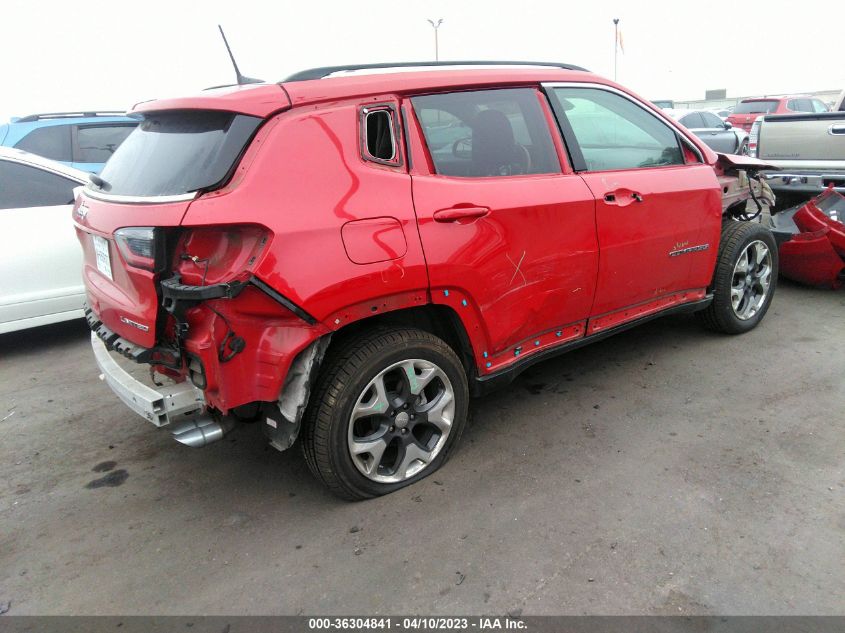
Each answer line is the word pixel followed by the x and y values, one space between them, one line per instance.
pixel 748 107
pixel 177 152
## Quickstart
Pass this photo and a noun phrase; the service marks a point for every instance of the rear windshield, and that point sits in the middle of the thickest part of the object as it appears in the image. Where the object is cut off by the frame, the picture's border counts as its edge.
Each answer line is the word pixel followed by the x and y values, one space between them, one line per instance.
pixel 748 107
pixel 177 152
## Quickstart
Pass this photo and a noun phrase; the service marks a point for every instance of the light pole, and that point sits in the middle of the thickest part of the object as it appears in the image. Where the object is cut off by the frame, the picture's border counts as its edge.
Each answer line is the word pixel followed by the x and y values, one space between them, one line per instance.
pixel 615 44
pixel 436 26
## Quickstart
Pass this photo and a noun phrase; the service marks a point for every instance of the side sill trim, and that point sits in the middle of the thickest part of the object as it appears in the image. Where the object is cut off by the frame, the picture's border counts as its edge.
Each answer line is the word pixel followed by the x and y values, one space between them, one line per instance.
pixel 490 382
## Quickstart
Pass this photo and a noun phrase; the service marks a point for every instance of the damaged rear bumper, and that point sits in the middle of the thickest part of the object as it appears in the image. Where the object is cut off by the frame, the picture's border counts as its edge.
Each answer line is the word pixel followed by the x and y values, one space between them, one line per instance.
pixel 161 406
pixel 811 241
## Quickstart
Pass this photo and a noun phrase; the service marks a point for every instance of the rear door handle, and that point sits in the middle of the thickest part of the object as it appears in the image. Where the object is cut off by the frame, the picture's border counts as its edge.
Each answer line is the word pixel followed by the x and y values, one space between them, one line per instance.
pixel 836 129
pixel 453 214
pixel 622 197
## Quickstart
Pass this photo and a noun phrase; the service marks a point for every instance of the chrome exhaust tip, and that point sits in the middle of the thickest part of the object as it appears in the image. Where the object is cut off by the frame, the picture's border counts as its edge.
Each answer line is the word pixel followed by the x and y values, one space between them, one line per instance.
pixel 201 431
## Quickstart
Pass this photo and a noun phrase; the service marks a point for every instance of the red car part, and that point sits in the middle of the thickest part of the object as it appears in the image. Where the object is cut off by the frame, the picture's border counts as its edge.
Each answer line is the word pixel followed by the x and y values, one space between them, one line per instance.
pixel 816 254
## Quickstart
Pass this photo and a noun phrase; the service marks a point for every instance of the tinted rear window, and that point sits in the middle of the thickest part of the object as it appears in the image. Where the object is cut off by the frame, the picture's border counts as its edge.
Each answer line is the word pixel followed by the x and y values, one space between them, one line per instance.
pixel 23 186
pixel 96 144
pixel 748 107
pixel 172 153
pixel 51 141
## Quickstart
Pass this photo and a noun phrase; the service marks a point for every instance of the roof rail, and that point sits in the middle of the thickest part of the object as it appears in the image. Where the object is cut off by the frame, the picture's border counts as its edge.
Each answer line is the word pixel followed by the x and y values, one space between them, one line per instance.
pixel 320 73
pixel 68 115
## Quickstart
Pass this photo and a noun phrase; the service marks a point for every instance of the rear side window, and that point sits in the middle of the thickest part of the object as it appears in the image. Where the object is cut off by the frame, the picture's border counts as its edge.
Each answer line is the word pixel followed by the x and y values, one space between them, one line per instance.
pixel 96 144
pixel 487 133
pixel 711 120
pixel 799 105
pixel 379 135
pixel 818 106
pixel 22 186
pixel 52 141
pixel 178 152
pixel 692 120
pixel 752 107
pixel 612 132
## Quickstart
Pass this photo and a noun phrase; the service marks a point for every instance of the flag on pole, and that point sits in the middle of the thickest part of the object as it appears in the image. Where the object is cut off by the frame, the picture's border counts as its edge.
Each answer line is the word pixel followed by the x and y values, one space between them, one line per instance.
pixel 621 43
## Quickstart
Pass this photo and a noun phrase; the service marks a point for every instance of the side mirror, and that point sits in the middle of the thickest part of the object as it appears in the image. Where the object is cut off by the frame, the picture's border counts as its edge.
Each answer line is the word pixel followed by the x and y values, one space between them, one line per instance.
pixel 728 125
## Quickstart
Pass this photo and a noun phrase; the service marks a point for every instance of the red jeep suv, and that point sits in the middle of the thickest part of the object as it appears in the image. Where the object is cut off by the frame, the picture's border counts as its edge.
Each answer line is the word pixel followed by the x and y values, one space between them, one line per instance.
pixel 345 257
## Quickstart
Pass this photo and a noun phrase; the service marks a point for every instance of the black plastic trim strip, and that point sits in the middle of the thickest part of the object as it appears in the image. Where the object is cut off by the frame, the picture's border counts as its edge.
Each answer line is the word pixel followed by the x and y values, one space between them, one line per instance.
pixel 172 289
pixel 570 142
pixel 490 382
pixel 136 353
pixel 283 300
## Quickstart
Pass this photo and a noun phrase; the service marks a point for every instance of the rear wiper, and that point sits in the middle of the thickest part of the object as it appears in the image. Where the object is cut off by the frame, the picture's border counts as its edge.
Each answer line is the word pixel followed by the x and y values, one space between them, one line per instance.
pixel 99 182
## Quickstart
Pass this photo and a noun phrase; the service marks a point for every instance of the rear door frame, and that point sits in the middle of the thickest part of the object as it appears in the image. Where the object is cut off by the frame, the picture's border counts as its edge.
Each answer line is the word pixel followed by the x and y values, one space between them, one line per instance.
pixel 494 354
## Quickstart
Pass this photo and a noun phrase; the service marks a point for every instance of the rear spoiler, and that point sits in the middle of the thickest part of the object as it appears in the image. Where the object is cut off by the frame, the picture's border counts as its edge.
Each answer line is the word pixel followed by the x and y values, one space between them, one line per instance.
pixel 258 100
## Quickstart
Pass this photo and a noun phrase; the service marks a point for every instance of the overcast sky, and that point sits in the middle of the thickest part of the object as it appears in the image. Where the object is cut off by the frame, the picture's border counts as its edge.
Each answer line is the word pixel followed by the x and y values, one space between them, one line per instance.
pixel 61 55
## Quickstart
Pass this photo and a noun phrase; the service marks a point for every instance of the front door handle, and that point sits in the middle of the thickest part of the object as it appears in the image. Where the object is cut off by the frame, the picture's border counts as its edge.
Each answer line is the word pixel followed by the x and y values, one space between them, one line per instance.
pixel 453 214
pixel 622 197
pixel 836 129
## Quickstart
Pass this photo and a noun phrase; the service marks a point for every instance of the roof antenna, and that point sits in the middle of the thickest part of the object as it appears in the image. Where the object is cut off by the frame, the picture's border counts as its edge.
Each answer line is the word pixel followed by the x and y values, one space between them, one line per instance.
pixel 240 78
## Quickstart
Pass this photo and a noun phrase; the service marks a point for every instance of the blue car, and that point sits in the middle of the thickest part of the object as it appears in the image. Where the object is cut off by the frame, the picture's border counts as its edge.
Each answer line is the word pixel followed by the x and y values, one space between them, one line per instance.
pixel 84 140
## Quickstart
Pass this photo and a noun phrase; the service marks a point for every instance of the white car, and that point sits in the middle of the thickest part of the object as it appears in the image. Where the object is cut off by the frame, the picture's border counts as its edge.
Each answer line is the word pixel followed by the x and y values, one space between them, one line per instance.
pixel 40 257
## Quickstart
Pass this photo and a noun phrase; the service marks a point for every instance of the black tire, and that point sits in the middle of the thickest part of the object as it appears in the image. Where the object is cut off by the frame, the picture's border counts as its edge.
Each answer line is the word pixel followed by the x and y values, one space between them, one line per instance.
pixel 742 150
pixel 720 315
pixel 345 375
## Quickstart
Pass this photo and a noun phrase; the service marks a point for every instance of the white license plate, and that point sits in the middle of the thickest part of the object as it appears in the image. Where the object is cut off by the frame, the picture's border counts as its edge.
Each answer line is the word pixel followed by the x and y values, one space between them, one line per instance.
pixel 101 251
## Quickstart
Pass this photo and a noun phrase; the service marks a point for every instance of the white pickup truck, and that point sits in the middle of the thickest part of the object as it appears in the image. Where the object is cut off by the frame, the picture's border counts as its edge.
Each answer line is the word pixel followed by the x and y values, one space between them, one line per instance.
pixel 809 149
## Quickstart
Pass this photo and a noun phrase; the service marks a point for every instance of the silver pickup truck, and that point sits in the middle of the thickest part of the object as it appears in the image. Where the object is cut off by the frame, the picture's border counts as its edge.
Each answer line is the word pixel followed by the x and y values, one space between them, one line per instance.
pixel 809 149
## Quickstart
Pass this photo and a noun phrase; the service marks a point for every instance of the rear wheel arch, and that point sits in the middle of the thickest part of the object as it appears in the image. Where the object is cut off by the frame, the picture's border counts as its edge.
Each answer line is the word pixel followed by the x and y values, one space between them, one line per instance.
pixel 390 406
pixel 439 320
pixel 295 397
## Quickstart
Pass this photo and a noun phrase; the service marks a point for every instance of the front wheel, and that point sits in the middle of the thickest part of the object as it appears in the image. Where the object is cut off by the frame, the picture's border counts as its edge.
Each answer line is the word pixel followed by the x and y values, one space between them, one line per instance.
pixel 744 280
pixel 387 410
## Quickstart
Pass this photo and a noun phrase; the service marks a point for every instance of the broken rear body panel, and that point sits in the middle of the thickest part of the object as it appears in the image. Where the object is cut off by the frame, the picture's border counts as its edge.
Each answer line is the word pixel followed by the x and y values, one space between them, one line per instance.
pixel 812 241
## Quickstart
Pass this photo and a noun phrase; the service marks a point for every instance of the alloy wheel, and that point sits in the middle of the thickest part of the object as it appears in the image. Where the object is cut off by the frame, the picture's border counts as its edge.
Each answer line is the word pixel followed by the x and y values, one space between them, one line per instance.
pixel 752 277
pixel 401 420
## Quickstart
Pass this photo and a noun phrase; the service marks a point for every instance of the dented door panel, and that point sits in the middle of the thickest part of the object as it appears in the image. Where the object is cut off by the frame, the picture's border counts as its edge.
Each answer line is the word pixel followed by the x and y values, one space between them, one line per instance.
pixel 528 266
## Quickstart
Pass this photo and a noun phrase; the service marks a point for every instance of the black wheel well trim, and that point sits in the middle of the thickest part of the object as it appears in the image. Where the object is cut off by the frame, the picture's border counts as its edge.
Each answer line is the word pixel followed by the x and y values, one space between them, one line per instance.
pixel 439 320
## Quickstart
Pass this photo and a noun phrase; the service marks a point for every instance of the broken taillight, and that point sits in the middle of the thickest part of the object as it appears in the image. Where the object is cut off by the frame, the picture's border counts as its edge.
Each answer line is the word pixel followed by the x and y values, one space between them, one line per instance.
pixel 208 255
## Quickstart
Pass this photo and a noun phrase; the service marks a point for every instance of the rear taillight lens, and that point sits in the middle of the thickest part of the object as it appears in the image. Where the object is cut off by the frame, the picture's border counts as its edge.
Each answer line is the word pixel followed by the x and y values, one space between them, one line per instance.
pixel 137 246
pixel 753 136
